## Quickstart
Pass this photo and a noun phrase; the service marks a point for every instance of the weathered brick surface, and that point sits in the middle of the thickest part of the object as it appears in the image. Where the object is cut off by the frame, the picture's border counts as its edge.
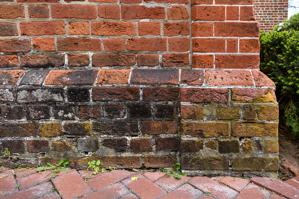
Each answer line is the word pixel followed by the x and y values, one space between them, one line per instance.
pixel 136 84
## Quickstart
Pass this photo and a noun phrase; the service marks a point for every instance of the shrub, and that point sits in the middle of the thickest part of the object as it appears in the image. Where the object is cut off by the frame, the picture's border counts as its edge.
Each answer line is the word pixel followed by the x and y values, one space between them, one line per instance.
pixel 280 61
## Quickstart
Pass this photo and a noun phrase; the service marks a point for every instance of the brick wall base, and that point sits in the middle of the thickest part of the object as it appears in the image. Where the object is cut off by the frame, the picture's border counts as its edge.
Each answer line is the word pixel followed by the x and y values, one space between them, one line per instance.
pixel 211 121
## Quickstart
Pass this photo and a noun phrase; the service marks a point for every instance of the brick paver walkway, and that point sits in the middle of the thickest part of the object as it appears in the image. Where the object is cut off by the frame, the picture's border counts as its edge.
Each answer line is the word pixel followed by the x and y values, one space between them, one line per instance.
pixel 28 183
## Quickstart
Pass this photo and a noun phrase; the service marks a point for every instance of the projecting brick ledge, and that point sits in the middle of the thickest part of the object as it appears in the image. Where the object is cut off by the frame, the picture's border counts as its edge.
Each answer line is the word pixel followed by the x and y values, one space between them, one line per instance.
pixel 212 121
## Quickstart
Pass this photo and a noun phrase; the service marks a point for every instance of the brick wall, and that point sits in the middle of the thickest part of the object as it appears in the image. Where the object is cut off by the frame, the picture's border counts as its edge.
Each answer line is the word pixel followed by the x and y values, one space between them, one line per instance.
pixel 270 12
pixel 136 83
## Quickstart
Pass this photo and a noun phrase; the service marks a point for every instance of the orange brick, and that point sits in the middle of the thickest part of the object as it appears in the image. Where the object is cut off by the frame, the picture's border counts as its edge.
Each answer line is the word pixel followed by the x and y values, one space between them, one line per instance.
pixel 149 28
pixel 43 44
pixel 79 28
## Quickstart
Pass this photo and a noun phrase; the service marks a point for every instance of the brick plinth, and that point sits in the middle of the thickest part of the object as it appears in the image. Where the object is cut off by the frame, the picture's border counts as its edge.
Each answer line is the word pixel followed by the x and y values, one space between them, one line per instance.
pixel 136 84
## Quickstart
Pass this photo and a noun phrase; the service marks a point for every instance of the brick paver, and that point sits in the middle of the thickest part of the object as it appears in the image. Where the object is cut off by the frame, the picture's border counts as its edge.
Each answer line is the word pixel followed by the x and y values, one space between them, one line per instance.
pixel 122 184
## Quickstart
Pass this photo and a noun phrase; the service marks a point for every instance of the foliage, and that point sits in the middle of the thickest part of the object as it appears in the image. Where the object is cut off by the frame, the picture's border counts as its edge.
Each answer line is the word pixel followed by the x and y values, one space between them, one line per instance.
pixel 97 167
pixel 280 61
pixel 175 171
pixel 62 165
pixel 6 153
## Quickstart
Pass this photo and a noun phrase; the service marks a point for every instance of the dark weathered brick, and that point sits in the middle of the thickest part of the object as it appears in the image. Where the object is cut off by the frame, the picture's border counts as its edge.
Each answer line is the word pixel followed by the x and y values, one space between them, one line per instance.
pixel 197 162
pixel 255 164
pixel 14 146
pixel 77 128
pixel 40 95
pixel 64 112
pixel 204 95
pixel 155 76
pixel 138 145
pixel 6 95
pixel 78 94
pixel 18 129
pixel 37 146
pixel 12 112
pixel 89 112
pixel 117 127
pixel 229 146
pixel 139 110
pixel 38 112
pixel 165 111
pixel 88 144
pixel 10 77
pixel 42 60
pixel 115 94
pixel 34 77
pixel 167 144
pixel 113 111
pixel 118 144
pixel 191 145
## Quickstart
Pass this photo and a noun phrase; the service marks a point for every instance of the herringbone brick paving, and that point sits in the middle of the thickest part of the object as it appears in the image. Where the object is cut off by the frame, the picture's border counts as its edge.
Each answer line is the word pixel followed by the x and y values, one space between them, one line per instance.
pixel 123 184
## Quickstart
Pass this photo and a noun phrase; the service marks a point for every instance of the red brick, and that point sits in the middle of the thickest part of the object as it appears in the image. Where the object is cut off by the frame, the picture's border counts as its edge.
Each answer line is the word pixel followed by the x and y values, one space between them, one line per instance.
pixel 14 45
pixel 103 1
pixel 234 2
pixel 228 78
pixel 42 60
pixel 176 28
pixel 232 13
pixel 237 61
pixel 232 45
pixel 9 61
pixel 11 11
pixel 105 179
pixel 154 76
pixel 202 61
pixel 114 44
pixel 148 60
pixel 74 11
pixel 208 45
pixel 249 45
pixel 34 179
pixel 262 80
pixel 139 145
pixel 246 13
pixel 149 28
pixel 71 77
pixel 43 44
pixel 234 29
pixel 199 2
pixel 175 60
pixel 192 77
pixel 208 13
pixel 204 95
pixel 103 60
pixel 178 44
pixel 109 11
pixel 10 77
pixel 169 1
pixel 130 1
pixel 42 28
pixel 8 29
pixel 113 76
pixel 109 28
pixel 38 11
pixel 145 189
pixel 202 29
pixel 78 60
pixel 177 13
pixel 160 94
pixel 115 93
pixel 79 28
pixel 78 44
pixel 38 1
pixel 213 187
pixel 147 44
pixel 142 12
pixel 70 184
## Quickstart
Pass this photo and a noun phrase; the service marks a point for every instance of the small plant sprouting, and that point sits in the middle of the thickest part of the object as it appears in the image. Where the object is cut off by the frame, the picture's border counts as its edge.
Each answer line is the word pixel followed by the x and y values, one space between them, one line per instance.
pixel 96 167
pixel 62 165
pixel 6 153
pixel 175 171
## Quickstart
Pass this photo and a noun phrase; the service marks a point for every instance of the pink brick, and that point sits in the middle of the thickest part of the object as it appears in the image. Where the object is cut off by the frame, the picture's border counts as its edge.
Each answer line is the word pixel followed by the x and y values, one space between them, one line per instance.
pixel 169 183
pixel 34 179
pixel 7 183
pixel 145 189
pixel 113 191
pixel 153 176
pixel 70 185
pixel 236 183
